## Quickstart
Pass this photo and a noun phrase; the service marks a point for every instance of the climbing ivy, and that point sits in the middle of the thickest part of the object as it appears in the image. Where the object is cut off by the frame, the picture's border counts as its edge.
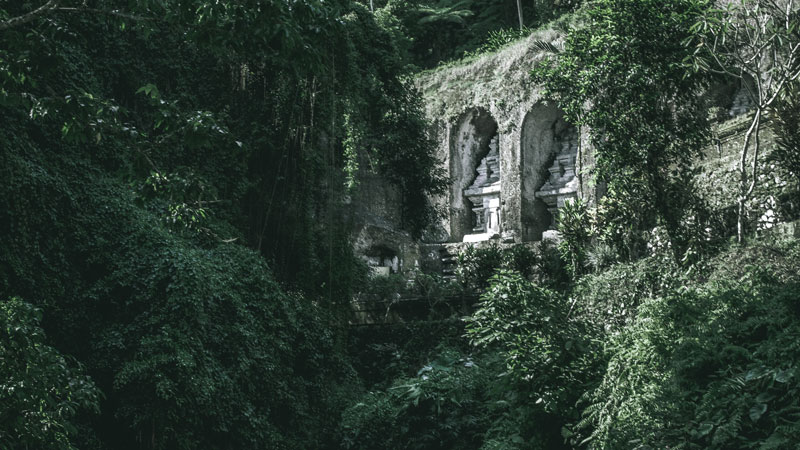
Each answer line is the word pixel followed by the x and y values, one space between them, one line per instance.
pixel 621 75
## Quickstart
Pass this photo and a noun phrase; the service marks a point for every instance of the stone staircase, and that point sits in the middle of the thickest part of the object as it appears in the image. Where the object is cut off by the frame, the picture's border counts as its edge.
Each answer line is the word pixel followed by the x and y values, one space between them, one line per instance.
pixel 449 258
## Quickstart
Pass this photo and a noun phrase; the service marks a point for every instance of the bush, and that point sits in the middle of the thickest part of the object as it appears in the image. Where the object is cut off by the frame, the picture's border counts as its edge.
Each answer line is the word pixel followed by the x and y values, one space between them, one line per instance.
pixel 601 256
pixel 531 328
pixel 476 265
pixel 549 357
pixel 712 366
pixel 497 39
pixel 383 354
pixel 442 407
pixel 41 391
pixel 611 298
pixel 574 224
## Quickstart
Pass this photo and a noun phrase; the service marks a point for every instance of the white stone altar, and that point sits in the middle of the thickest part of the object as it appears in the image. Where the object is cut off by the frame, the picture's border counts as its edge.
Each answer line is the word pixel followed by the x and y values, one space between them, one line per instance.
pixel 484 194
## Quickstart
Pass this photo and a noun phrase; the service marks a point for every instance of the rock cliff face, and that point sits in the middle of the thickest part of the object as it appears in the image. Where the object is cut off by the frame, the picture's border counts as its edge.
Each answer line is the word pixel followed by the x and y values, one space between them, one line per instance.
pixel 511 157
pixel 543 161
pixel 513 160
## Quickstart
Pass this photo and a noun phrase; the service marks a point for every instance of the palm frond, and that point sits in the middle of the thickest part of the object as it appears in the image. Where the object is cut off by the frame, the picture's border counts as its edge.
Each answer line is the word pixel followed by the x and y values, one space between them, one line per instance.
pixel 548 46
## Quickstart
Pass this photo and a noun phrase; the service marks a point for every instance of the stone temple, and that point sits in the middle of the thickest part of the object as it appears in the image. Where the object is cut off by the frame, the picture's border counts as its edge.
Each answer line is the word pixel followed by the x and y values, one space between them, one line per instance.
pixel 512 159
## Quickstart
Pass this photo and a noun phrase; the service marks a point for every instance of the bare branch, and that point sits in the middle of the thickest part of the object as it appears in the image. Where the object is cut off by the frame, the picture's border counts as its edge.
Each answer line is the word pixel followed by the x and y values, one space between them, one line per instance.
pixel 754 173
pixel 28 17
pixel 758 39
pixel 115 13
pixel 52 6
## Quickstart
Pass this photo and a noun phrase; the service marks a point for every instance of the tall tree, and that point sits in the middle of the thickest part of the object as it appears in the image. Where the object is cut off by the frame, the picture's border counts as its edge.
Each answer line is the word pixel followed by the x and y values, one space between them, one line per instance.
pixel 758 43
pixel 620 75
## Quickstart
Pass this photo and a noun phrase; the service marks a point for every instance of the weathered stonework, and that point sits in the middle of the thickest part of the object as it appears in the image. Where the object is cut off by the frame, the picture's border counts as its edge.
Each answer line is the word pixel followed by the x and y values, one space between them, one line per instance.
pixel 494 98
pixel 561 186
pixel 773 200
pixel 484 194
pixel 513 161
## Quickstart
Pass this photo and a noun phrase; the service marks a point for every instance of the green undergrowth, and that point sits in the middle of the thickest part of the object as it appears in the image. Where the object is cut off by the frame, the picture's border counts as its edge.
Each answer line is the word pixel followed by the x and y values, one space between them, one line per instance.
pixel 499 40
pixel 190 339
pixel 383 352
pixel 708 360
pixel 646 354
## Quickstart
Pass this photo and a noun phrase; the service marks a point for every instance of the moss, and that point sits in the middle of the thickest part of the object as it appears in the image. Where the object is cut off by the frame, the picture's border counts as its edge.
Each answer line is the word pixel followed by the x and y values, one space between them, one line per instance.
pixel 717 179
pixel 482 80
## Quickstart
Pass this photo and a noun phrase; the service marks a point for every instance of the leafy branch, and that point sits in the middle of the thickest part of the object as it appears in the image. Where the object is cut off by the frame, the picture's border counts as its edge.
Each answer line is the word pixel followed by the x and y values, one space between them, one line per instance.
pixel 756 42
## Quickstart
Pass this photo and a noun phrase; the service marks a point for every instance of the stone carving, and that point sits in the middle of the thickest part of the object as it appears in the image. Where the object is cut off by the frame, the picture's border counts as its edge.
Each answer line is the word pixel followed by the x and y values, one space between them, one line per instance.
pixel 562 185
pixel 484 194
pixel 742 103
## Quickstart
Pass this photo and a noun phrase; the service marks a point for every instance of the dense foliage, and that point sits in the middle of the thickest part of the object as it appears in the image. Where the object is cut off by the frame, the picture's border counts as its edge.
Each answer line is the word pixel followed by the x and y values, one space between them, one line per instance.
pixel 192 342
pixel 711 366
pixel 439 30
pixel 641 355
pixel 540 263
pixel 180 184
pixel 621 75
pixel 174 203
pixel 41 391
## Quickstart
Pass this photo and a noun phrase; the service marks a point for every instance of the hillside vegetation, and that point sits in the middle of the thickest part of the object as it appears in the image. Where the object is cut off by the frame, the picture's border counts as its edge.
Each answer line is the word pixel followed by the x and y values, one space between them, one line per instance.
pixel 177 209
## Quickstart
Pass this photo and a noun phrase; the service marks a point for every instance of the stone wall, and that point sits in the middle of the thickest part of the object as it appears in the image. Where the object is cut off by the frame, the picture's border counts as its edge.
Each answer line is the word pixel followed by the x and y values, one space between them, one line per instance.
pixel 774 199
pixel 469 103
pixel 375 219
pixel 543 161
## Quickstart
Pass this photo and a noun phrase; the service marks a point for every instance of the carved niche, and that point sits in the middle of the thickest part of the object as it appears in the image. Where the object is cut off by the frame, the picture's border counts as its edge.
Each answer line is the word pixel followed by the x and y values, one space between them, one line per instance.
pixel 484 194
pixel 562 184
pixel 742 103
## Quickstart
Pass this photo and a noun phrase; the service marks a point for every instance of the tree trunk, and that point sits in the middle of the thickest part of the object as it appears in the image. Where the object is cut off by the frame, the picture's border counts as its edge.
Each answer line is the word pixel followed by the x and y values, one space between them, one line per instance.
pixel 519 12
pixel 740 213
pixel 745 188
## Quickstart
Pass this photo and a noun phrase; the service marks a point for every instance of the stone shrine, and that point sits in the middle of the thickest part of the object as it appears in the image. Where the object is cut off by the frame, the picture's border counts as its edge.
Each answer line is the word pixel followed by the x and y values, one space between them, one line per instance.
pixel 562 183
pixel 742 103
pixel 484 194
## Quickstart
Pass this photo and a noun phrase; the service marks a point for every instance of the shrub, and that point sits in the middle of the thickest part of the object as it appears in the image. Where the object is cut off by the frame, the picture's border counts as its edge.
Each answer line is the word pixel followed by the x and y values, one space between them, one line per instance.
pixel 442 407
pixel 548 356
pixel 611 298
pixel 713 367
pixel 497 39
pixel 574 224
pixel 41 391
pixel 476 265
pixel 601 256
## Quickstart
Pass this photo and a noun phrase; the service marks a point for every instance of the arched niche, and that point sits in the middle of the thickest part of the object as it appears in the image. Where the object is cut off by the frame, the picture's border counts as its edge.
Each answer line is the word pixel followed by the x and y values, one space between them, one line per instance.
pixel 744 98
pixel 730 97
pixel 469 145
pixel 382 260
pixel 549 149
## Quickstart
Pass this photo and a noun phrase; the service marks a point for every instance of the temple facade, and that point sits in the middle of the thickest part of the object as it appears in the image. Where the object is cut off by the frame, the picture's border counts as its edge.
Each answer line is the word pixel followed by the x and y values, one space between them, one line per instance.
pixel 512 159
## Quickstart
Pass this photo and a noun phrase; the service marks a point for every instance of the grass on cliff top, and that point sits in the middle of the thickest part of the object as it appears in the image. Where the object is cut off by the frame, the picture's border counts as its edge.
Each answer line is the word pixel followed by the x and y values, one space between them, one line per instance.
pixel 547 32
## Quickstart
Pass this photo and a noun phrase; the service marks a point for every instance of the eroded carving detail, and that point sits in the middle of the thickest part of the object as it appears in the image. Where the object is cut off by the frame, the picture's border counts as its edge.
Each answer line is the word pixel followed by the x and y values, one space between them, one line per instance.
pixel 742 103
pixel 484 194
pixel 562 185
